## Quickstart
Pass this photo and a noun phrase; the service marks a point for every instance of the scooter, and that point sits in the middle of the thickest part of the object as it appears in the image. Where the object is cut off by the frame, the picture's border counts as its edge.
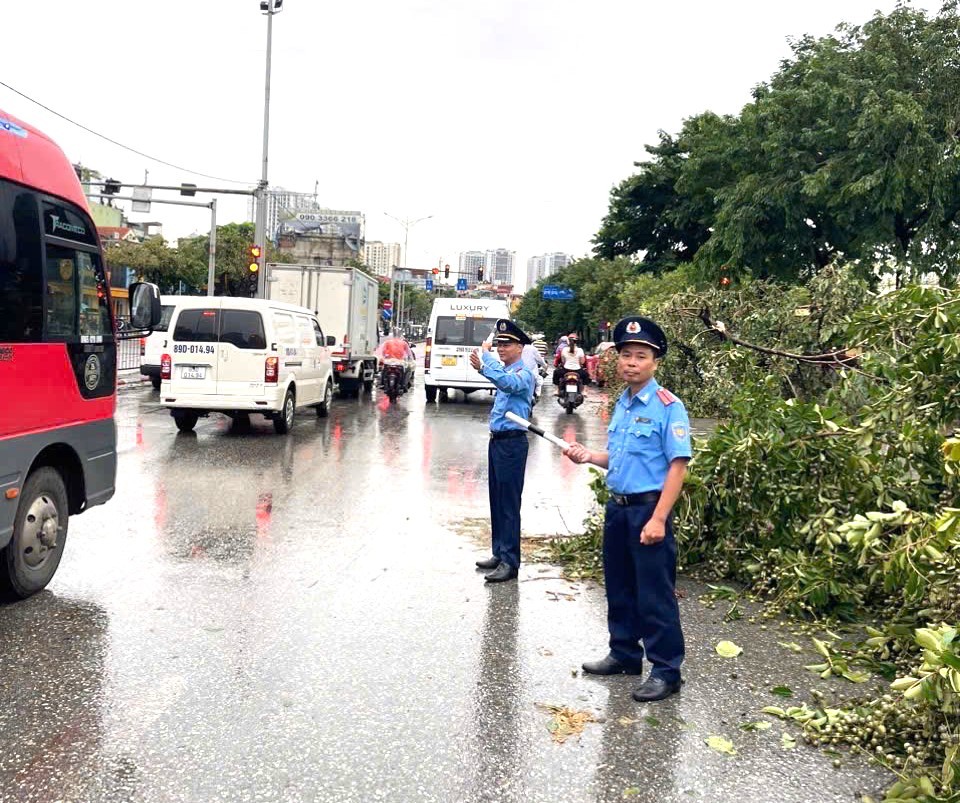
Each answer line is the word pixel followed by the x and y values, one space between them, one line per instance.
pixel 570 395
pixel 393 379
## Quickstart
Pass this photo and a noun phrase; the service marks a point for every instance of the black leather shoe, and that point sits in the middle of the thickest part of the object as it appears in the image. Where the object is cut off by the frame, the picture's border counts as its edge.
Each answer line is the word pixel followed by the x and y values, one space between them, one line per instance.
pixel 501 573
pixel 489 563
pixel 654 688
pixel 611 666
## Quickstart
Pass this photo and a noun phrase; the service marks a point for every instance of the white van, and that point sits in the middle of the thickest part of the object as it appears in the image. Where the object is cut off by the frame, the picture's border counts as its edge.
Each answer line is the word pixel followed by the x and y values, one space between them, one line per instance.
pixel 238 356
pixel 457 328
pixel 151 347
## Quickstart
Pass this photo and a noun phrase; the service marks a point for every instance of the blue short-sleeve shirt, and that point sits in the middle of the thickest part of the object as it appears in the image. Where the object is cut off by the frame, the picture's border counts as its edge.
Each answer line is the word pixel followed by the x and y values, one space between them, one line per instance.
pixel 515 385
pixel 647 431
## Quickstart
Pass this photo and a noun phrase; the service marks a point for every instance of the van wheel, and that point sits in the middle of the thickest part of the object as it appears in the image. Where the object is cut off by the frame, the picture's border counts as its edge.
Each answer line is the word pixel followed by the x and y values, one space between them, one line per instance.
pixel 323 409
pixel 155 381
pixel 185 420
pixel 29 561
pixel 431 393
pixel 283 422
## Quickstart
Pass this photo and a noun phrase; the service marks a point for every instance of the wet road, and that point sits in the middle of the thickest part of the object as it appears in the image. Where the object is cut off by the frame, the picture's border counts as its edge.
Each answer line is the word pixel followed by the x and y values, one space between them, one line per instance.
pixel 265 618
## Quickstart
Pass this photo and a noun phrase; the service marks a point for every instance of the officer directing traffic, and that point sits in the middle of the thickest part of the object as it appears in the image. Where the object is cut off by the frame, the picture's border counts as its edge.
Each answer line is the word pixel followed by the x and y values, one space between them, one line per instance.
pixel 507 451
pixel 648 447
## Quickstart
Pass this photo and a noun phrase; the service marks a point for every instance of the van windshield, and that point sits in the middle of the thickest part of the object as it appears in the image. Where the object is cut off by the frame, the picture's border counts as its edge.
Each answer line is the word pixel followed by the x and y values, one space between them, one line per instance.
pixel 453 331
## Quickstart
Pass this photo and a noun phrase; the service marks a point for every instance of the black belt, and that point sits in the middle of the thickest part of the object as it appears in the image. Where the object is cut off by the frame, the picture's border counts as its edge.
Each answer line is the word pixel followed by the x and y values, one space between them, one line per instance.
pixel 507 433
pixel 625 500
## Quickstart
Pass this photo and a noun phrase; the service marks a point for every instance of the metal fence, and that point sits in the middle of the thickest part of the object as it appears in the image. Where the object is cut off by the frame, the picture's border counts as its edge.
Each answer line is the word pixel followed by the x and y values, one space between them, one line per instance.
pixel 128 354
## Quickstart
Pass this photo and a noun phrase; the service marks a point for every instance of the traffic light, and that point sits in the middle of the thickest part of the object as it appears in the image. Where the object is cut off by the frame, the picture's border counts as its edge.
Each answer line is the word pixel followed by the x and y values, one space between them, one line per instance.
pixel 254 261
pixel 479 274
pixel 111 186
pixel 436 271
pixel 446 271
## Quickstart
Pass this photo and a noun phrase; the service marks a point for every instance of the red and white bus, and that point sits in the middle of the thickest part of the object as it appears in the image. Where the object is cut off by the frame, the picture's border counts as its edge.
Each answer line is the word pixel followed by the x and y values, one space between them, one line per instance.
pixel 58 352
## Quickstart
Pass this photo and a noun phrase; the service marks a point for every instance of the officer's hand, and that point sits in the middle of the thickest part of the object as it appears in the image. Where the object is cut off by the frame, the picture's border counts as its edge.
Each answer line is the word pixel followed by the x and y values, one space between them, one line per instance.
pixel 653 532
pixel 487 345
pixel 475 360
pixel 578 453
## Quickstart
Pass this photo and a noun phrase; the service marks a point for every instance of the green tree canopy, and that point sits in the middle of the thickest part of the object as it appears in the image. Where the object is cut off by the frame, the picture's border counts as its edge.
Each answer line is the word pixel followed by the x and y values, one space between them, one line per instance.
pixel 848 152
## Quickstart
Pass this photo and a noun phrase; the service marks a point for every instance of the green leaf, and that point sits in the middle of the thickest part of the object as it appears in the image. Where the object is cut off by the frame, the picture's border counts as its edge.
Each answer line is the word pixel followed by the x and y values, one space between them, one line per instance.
pixel 788 742
pixel 728 649
pixel 653 722
pixel 790 645
pixel 721 745
pixel 782 691
pixel 760 725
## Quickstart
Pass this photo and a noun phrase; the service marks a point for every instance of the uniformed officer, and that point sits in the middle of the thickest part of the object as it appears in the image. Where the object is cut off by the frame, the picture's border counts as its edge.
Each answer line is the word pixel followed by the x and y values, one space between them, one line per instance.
pixel 507 452
pixel 648 447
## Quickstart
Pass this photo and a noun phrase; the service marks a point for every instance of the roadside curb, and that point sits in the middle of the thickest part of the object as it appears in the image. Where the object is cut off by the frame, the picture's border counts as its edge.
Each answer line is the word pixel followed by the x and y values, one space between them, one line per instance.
pixel 132 381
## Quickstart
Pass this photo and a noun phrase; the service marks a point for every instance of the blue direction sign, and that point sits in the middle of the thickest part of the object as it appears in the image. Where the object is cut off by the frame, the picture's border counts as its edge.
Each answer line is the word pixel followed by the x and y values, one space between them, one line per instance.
pixel 553 292
pixel 387 314
pixel 461 284
pixel 428 284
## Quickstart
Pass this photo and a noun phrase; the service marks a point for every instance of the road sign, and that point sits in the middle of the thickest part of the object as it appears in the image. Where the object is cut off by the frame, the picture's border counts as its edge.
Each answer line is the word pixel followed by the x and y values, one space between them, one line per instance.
pixel 387 314
pixel 461 284
pixel 553 292
pixel 429 285
pixel 387 304
pixel 141 199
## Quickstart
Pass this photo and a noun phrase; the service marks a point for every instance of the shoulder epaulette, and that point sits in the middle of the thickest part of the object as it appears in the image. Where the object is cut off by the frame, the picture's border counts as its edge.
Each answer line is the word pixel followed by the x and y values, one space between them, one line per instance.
pixel 666 396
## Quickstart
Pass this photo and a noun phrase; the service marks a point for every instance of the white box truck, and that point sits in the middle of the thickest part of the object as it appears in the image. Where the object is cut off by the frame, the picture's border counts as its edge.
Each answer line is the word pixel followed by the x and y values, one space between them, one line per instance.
pixel 345 302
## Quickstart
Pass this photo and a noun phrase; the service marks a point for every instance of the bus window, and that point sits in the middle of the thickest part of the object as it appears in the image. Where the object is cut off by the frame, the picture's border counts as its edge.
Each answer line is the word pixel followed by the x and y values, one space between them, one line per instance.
pixel 94 309
pixel 451 331
pixel 61 292
pixel 21 270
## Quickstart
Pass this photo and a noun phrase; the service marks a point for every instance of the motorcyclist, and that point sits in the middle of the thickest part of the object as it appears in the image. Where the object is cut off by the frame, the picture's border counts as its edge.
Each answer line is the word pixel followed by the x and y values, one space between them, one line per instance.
pixel 572 358
pixel 538 367
pixel 395 350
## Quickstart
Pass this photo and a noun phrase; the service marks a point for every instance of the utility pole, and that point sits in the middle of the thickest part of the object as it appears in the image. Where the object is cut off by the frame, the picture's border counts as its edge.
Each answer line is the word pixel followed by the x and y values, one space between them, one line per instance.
pixel 407 223
pixel 270 7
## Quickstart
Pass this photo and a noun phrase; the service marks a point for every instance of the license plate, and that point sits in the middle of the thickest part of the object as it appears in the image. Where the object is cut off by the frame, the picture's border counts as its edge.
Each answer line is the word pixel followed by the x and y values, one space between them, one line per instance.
pixel 193 372
pixel 449 361
pixel 571 388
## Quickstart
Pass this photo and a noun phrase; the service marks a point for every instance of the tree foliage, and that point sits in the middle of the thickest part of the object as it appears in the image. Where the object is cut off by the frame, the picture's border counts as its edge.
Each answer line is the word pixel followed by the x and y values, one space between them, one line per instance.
pixel 848 152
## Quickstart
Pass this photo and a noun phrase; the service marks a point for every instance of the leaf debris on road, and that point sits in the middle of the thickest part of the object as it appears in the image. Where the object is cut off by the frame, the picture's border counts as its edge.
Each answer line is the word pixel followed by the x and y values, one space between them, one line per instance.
pixel 566 722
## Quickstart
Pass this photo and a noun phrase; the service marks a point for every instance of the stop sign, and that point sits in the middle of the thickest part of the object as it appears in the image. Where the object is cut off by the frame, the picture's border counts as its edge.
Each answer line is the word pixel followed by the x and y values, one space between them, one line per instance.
pixel 387 304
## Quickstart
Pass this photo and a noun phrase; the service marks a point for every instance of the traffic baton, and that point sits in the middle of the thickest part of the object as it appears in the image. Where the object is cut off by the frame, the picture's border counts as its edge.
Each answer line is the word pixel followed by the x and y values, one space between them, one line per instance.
pixel 537 431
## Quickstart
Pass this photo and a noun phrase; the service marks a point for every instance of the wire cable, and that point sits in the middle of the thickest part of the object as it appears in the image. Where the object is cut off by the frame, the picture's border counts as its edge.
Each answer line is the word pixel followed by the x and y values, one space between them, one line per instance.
pixel 120 144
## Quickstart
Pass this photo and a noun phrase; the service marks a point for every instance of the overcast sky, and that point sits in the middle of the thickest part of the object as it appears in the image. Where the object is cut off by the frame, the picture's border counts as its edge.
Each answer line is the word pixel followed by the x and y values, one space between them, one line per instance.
pixel 507 120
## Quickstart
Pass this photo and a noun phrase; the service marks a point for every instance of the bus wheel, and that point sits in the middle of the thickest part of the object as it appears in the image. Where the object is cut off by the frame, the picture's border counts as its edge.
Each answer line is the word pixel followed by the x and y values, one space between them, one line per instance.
pixel 31 558
pixel 185 420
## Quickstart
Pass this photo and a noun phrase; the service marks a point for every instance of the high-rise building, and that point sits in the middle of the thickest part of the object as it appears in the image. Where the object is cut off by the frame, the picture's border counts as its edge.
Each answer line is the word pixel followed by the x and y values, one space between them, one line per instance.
pixel 472 264
pixel 381 257
pixel 539 267
pixel 499 266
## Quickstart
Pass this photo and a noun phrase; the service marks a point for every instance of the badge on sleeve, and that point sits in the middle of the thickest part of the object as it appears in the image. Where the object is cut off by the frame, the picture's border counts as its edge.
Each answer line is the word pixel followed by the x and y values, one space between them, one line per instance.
pixel 679 431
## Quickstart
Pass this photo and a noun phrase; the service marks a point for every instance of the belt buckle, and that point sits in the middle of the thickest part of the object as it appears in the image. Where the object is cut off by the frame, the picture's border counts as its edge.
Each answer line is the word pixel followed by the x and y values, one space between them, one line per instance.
pixel 619 499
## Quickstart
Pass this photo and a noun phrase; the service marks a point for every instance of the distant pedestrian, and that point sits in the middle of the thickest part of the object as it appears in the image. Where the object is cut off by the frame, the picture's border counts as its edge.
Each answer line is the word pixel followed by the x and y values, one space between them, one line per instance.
pixel 535 362
pixel 507 450
pixel 541 346
pixel 648 447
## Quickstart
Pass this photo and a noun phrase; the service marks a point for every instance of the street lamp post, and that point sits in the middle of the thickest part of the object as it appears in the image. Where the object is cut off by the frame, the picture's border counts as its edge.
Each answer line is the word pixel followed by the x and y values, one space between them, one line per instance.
pixel 407 223
pixel 270 7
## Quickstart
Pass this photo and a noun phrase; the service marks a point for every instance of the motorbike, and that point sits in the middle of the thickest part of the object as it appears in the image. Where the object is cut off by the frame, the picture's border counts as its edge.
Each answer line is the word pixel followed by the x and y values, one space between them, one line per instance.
pixel 393 379
pixel 570 395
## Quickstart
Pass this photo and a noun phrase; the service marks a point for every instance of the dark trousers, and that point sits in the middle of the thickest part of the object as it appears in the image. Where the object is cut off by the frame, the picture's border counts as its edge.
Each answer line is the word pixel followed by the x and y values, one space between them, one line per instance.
pixel 640 580
pixel 506 464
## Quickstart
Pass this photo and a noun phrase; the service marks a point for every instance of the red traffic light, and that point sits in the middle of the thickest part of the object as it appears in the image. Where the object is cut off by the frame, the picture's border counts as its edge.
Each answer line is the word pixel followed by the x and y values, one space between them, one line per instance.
pixel 436 271
pixel 446 271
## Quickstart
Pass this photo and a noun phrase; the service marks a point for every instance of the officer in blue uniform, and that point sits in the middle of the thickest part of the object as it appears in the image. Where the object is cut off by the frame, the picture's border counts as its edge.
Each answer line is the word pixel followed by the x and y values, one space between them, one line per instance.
pixel 507 452
pixel 648 447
